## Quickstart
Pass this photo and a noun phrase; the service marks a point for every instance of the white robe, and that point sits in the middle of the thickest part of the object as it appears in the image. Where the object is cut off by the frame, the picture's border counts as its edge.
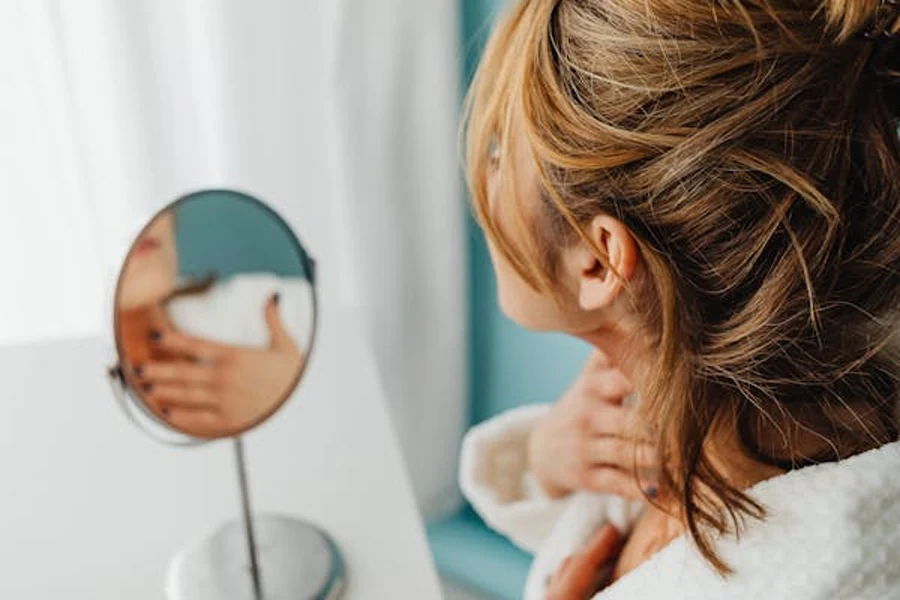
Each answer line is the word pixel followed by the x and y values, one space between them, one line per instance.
pixel 832 530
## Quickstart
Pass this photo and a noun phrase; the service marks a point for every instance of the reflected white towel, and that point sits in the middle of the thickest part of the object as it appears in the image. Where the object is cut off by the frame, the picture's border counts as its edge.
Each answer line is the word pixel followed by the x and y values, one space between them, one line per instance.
pixel 232 311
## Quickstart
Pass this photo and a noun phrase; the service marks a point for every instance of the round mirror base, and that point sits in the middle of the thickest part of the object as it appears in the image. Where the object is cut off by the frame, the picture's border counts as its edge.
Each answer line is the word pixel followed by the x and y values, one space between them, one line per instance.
pixel 296 561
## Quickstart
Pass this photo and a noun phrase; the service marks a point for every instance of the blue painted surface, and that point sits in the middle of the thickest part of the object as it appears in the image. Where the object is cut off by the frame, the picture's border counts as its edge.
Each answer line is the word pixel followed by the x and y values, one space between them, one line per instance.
pixel 228 233
pixel 509 367
pixel 470 553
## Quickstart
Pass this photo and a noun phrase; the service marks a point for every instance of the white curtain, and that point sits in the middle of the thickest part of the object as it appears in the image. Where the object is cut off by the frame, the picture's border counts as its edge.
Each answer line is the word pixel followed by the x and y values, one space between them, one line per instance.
pixel 339 113
pixel 392 82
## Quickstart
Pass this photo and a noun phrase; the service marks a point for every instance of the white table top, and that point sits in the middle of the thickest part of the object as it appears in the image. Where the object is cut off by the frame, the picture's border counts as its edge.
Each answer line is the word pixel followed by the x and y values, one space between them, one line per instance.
pixel 93 509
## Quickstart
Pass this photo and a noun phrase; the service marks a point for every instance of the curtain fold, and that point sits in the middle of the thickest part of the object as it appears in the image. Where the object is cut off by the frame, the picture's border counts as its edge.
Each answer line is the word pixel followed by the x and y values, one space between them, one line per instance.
pixel 392 81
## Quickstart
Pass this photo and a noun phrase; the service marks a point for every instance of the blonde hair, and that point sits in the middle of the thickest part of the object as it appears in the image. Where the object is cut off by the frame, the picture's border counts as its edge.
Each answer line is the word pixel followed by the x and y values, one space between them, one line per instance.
pixel 751 148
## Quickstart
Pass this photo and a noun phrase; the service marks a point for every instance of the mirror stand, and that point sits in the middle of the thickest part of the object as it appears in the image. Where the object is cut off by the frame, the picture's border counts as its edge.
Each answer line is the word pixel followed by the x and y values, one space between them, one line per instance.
pixel 252 558
pixel 247 515
pixel 258 557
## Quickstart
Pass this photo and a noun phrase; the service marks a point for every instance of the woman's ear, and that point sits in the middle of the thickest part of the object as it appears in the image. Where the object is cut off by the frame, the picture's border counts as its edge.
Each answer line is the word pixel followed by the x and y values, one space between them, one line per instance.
pixel 599 284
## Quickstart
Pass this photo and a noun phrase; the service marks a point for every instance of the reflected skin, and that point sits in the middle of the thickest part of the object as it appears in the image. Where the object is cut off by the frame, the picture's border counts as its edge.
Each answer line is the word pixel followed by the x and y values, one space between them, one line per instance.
pixel 148 279
pixel 221 388
pixel 199 387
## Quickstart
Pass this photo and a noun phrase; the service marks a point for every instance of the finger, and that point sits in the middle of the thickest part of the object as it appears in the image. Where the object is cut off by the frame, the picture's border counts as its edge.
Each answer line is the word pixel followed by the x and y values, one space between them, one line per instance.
pixel 608 385
pixel 175 341
pixel 562 570
pixel 596 360
pixel 610 419
pixel 184 373
pixel 602 577
pixel 183 396
pixel 193 421
pixel 572 580
pixel 279 338
pixel 580 575
pixel 601 548
pixel 607 419
pixel 622 453
pixel 609 480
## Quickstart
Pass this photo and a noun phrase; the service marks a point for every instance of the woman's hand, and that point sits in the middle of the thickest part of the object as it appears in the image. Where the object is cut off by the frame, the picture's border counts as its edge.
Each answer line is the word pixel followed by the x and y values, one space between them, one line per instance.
pixel 218 389
pixel 587 441
pixel 582 575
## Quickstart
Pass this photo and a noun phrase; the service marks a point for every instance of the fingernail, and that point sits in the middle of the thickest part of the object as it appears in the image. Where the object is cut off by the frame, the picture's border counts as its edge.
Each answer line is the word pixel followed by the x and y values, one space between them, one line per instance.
pixel 139 370
pixel 147 386
pixel 275 298
pixel 652 492
pixel 155 335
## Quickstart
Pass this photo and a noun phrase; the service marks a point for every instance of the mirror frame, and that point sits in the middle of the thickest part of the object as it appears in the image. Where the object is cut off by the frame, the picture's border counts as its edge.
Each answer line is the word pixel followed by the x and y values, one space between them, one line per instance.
pixel 128 398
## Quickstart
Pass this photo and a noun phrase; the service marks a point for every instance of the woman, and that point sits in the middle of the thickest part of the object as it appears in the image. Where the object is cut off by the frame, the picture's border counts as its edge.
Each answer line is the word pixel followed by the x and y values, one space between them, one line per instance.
pixel 709 194
pixel 211 358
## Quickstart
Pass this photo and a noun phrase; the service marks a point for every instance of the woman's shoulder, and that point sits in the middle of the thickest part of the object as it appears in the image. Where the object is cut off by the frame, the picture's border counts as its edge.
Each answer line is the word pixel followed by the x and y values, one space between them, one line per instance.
pixel 847 486
pixel 835 522
pixel 830 532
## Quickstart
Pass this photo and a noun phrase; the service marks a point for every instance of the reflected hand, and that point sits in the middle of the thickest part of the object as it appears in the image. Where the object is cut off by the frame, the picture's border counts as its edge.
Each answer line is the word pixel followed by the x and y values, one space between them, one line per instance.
pixel 218 388
pixel 585 442
pixel 582 575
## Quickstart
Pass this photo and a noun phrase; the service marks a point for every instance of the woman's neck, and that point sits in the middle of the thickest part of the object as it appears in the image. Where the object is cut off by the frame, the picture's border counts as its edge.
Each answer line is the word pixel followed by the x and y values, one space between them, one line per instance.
pixel 633 355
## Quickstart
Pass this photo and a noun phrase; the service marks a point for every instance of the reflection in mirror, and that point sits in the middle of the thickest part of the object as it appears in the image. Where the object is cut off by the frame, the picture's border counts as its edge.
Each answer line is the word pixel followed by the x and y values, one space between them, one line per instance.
pixel 214 314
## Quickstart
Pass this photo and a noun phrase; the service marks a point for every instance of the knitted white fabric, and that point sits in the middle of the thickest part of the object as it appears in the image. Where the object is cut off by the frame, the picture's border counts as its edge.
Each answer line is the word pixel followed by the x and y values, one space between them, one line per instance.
pixel 832 531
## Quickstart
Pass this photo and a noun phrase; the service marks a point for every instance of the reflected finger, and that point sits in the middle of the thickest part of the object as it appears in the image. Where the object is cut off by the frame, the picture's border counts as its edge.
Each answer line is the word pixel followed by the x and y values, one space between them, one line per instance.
pixel 184 373
pixel 194 421
pixel 175 341
pixel 174 395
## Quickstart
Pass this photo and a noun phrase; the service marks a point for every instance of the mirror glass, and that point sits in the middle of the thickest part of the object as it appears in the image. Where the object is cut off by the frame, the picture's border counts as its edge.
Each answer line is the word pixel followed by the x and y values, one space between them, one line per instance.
pixel 215 314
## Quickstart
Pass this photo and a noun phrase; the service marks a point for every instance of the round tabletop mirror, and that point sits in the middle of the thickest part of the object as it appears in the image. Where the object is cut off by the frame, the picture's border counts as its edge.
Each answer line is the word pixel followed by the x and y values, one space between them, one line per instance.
pixel 214 314
pixel 214 318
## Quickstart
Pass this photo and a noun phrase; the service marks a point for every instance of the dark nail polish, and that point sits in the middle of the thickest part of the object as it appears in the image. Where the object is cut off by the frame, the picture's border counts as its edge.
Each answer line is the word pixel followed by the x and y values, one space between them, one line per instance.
pixel 652 492
pixel 139 370
pixel 147 386
pixel 275 298
pixel 155 335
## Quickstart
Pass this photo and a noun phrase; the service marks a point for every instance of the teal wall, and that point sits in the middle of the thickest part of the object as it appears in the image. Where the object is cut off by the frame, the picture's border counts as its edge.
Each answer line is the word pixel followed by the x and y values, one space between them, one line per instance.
pixel 510 366
pixel 228 232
